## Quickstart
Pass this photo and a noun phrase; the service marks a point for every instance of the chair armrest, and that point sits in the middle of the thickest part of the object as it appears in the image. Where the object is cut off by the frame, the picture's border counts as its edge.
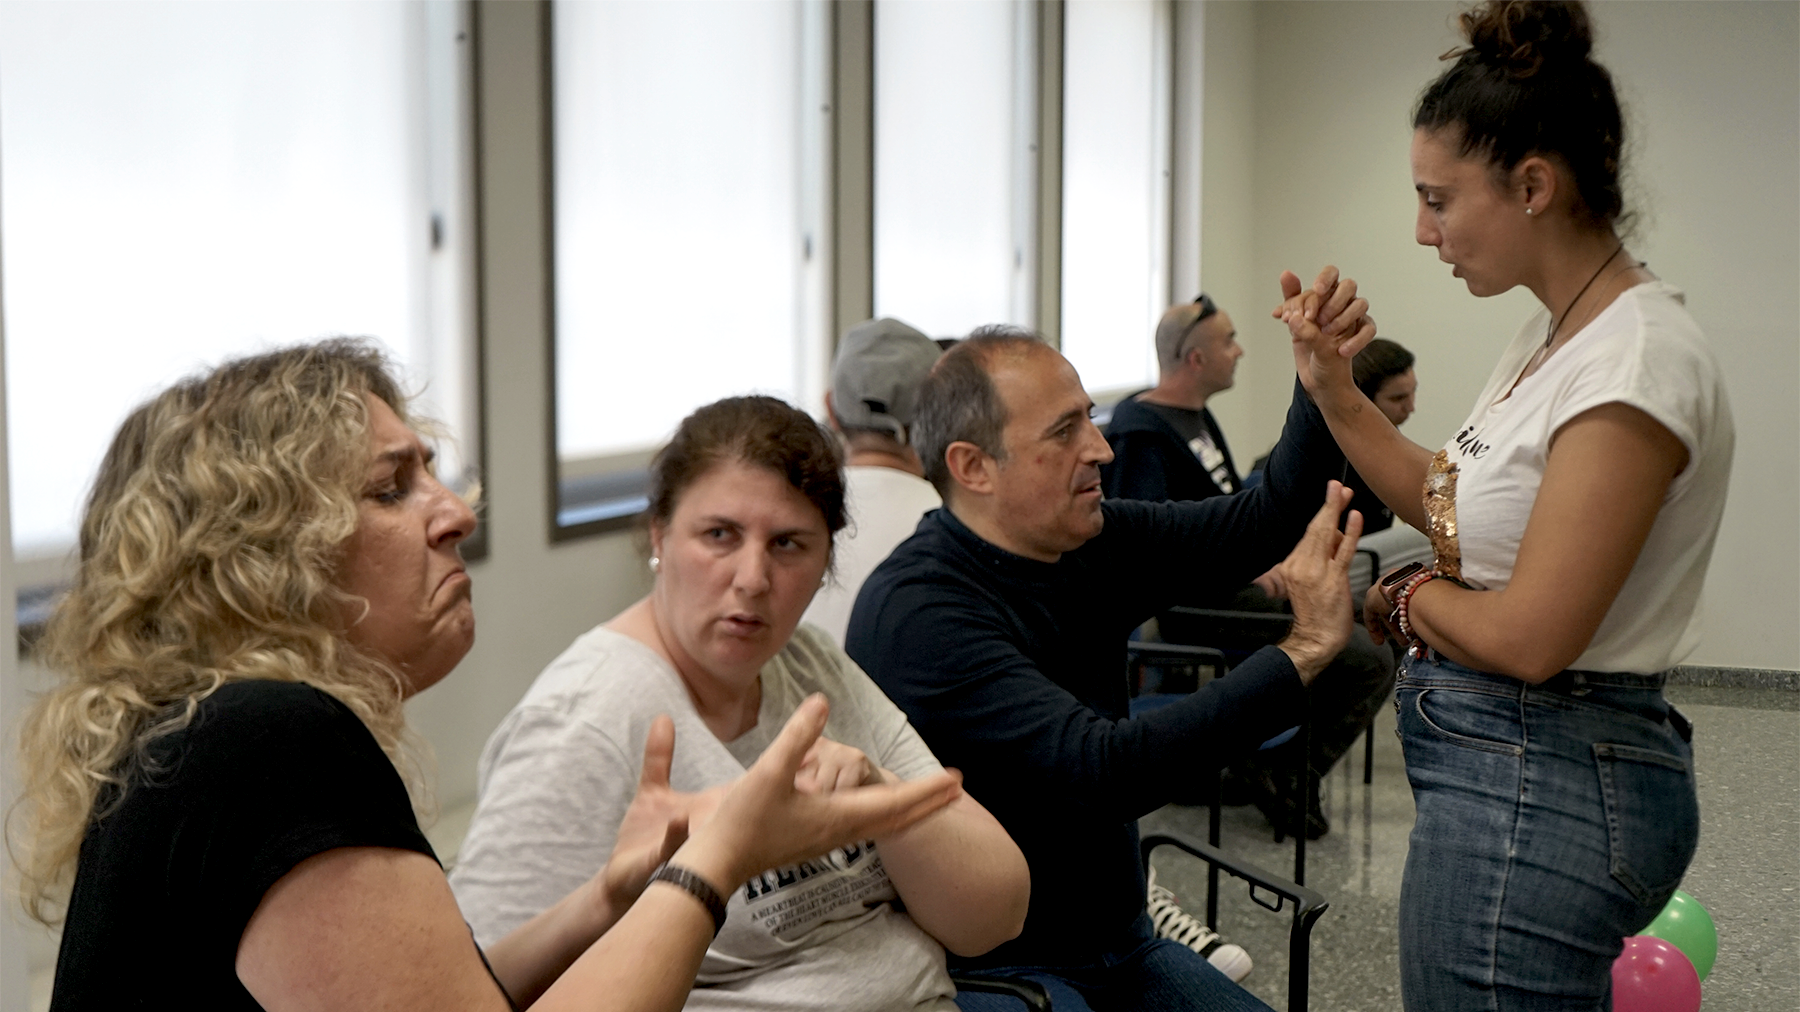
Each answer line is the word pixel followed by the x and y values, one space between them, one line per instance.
pixel 1274 622
pixel 1307 904
pixel 1139 650
pixel 1169 659
pixel 1028 991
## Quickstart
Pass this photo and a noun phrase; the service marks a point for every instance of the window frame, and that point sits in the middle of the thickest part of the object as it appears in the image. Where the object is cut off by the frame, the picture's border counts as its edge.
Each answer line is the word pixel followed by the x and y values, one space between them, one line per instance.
pixel 610 492
pixel 453 216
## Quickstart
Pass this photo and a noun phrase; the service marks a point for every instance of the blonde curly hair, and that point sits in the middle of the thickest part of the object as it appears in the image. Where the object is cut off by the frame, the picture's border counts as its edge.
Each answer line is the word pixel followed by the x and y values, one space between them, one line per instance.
pixel 207 555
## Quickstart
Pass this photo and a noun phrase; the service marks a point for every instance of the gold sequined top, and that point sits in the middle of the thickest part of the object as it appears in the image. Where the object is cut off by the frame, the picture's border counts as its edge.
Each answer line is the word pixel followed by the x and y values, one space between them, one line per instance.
pixel 1440 515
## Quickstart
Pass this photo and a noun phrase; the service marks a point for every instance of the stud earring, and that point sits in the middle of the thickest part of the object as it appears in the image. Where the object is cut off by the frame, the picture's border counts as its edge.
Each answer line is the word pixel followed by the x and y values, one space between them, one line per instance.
pixel 655 563
pixel 1528 210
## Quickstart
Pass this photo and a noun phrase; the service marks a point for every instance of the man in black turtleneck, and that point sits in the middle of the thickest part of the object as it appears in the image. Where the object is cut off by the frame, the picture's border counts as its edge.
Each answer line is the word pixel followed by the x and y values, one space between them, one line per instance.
pixel 1166 445
pixel 1000 628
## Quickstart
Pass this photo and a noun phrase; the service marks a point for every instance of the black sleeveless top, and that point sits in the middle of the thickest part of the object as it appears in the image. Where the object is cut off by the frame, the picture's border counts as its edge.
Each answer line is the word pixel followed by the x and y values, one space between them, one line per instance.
pixel 267 775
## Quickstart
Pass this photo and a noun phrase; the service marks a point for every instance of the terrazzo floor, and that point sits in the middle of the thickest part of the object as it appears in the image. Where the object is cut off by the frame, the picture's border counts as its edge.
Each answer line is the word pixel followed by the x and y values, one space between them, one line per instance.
pixel 1746 873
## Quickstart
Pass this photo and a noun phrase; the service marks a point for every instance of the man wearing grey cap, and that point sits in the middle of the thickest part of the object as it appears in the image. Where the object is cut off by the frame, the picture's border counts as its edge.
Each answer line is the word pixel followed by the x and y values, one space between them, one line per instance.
pixel 874 392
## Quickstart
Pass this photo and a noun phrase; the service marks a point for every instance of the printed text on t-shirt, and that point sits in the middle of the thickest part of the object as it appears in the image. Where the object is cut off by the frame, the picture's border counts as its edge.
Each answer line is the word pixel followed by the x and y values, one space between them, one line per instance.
pixel 1470 445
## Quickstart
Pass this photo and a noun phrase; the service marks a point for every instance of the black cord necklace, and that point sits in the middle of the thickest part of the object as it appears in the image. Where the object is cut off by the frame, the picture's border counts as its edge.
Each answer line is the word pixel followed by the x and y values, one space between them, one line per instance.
pixel 1554 323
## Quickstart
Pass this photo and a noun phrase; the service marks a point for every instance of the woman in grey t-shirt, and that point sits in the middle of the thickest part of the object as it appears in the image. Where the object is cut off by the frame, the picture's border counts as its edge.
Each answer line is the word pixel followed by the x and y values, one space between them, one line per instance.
pixel 744 503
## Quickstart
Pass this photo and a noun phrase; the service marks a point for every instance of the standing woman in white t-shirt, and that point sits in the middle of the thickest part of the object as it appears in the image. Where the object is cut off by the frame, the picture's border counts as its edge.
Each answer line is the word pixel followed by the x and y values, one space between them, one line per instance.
pixel 1572 518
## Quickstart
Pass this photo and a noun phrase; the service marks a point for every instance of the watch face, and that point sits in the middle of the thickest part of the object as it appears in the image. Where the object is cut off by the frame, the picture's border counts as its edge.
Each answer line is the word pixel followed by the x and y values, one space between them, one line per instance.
pixel 1397 576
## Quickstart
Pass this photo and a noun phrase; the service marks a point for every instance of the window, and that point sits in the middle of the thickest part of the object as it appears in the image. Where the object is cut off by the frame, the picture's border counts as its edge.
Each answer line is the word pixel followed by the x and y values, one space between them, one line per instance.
pixel 955 136
pixel 1115 241
pixel 186 182
pixel 687 205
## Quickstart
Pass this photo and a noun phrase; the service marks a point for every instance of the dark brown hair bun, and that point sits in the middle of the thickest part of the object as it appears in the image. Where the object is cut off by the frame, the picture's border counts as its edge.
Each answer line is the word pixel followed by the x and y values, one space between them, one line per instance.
pixel 1526 85
pixel 1523 36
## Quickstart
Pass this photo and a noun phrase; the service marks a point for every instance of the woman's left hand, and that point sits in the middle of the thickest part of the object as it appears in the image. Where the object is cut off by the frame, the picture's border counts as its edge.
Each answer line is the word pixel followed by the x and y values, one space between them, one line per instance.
pixel 656 823
pixel 1329 325
pixel 830 766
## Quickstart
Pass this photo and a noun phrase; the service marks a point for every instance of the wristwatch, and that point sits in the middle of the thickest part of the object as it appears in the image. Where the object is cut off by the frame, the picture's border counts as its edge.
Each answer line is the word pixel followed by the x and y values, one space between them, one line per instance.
pixel 1393 580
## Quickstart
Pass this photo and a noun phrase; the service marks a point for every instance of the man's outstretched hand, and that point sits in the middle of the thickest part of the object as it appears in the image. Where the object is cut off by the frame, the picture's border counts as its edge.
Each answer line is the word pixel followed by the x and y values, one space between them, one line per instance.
pixel 1317 576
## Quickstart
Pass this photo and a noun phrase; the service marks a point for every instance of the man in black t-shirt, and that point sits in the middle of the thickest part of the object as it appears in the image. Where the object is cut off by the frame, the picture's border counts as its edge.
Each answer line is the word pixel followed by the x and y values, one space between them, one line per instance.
pixel 1167 446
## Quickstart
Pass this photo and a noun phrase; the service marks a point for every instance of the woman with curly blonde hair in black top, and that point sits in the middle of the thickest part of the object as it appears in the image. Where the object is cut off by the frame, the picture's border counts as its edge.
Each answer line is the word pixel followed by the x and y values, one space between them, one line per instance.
pixel 216 795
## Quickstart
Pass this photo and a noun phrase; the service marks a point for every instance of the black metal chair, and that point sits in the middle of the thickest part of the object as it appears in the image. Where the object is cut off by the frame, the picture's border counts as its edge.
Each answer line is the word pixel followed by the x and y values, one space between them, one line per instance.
pixel 1306 904
pixel 1266 890
pixel 1174 656
pixel 1030 992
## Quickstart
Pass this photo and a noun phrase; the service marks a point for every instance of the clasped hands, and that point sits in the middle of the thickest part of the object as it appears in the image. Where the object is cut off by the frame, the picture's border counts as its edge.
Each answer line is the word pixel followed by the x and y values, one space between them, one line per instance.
pixel 804 795
pixel 1329 324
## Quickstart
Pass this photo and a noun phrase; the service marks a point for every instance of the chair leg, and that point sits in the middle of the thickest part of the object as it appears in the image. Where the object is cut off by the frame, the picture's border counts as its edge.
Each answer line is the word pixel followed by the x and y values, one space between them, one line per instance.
pixel 1308 795
pixel 1212 870
pixel 1369 752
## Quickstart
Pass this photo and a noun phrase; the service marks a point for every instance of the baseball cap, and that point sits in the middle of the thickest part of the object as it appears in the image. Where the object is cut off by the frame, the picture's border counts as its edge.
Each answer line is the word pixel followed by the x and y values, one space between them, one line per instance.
pixel 875 380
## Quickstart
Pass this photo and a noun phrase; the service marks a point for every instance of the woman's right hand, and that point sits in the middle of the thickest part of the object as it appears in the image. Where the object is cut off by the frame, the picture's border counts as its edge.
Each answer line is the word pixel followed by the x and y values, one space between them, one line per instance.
pixel 1377 609
pixel 1329 324
pixel 763 821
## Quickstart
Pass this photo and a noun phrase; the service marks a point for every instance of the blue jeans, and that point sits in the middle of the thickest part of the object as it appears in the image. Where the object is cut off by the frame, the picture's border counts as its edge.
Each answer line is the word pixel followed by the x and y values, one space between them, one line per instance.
pixel 1142 973
pixel 1553 821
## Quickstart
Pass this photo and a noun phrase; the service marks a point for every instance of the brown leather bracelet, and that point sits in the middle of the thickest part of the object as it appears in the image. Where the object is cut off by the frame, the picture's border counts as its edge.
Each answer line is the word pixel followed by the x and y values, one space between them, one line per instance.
pixel 691 883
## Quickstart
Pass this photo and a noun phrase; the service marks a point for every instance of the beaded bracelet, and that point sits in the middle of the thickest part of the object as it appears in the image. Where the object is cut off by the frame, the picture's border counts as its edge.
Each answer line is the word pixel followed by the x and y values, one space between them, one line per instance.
pixel 1403 607
pixel 1403 603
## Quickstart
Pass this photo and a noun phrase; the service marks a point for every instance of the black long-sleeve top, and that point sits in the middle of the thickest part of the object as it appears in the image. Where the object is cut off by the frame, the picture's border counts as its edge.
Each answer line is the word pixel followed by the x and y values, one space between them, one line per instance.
pixel 1013 671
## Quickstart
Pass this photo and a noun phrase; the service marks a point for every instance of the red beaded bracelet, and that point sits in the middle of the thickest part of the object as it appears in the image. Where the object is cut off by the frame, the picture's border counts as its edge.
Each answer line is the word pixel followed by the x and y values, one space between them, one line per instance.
pixel 1403 604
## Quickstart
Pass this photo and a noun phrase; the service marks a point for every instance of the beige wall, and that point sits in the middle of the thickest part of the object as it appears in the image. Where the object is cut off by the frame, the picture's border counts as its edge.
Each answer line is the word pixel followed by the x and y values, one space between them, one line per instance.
pixel 1308 111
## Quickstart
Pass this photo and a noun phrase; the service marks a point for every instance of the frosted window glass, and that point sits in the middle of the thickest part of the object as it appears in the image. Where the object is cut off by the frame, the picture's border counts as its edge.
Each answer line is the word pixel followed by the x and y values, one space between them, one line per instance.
pixel 679 247
pixel 185 182
pixel 1115 229
pixel 947 252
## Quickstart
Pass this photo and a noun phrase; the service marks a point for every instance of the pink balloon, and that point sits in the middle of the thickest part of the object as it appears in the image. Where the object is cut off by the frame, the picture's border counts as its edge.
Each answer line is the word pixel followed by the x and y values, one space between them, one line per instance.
pixel 1653 976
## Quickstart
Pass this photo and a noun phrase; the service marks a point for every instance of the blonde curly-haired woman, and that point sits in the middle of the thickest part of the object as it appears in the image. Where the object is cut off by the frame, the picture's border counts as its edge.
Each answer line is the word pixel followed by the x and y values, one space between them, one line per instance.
pixel 214 799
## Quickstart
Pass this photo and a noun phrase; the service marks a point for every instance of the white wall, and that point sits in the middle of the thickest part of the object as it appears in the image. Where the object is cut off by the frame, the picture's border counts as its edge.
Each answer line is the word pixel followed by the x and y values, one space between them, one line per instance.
pixel 1308 126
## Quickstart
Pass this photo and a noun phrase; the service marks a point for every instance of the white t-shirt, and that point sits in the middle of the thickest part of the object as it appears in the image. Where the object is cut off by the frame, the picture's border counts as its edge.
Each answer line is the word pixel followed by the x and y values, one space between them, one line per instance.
pixel 885 505
pixel 1643 350
pixel 560 771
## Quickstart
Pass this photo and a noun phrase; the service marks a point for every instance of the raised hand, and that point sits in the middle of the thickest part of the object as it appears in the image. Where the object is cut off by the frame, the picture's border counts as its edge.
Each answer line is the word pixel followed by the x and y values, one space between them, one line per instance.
pixel 1317 576
pixel 764 821
pixel 1329 324
pixel 656 823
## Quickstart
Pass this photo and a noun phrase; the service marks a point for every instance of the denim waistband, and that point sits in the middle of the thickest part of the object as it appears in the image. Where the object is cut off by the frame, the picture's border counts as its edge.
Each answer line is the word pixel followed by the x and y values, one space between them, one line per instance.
pixel 1435 669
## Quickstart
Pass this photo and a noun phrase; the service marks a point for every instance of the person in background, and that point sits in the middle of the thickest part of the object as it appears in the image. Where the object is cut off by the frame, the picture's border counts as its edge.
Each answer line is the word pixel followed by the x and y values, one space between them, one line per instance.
pixel 744 503
pixel 1383 371
pixel 1572 520
pixel 1000 627
pixel 874 394
pixel 1167 446
pixel 216 791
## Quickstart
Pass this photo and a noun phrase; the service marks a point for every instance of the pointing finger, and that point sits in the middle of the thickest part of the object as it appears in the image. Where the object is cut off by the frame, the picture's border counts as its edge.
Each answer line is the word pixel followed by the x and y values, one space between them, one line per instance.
pixel 659 753
pixel 789 750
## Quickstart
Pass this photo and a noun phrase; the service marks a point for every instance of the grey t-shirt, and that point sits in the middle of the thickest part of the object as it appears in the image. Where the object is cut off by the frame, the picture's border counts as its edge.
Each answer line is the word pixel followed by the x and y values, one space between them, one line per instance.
pixel 557 776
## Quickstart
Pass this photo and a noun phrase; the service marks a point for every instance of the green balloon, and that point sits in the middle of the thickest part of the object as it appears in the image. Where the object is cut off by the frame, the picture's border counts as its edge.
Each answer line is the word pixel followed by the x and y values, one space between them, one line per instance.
pixel 1685 924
